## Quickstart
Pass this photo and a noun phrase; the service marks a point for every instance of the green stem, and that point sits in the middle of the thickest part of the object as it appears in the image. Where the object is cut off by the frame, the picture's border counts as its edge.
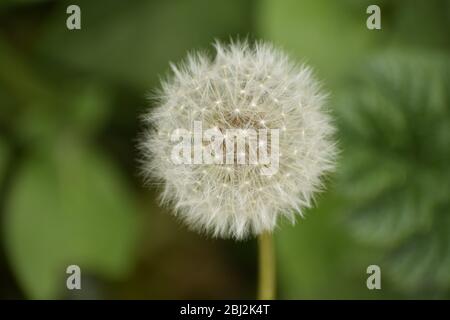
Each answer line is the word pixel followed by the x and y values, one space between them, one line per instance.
pixel 266 290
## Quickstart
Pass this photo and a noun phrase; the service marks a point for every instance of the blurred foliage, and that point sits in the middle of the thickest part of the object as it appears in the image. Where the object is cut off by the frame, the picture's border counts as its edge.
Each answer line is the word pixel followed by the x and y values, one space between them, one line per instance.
pixel 132 44
pixel 395 134
pixel 70 192
pixel 67 206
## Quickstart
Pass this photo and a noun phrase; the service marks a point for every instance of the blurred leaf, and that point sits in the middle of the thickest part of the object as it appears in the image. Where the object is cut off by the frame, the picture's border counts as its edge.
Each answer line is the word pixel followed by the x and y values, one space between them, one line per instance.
pixel 390 217
pixel 83 110
pixel 395 171
pixel 36 126
pixel 68 205
pixel 423 261
pixel 133 42
pixel 89 108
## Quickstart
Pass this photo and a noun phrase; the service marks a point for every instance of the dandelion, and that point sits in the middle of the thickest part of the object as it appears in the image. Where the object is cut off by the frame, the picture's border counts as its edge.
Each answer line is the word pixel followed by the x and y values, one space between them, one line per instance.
pixel 249 87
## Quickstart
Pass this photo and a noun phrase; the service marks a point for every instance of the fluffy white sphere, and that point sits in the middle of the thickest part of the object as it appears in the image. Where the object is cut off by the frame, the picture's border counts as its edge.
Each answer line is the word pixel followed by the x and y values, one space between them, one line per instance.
pixel 246 87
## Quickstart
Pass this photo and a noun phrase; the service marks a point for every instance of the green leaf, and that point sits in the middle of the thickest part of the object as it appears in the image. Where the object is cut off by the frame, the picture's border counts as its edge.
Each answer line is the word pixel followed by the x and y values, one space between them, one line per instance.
pixel 421 264
pixel 394 134
pixel 68 205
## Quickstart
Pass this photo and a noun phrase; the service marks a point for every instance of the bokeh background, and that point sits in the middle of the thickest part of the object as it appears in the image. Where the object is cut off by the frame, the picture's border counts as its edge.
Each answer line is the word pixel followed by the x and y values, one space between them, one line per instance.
pixel 70 190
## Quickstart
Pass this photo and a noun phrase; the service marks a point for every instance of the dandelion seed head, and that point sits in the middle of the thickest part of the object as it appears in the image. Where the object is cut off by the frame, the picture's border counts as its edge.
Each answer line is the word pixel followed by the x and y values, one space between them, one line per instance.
pixel 223 92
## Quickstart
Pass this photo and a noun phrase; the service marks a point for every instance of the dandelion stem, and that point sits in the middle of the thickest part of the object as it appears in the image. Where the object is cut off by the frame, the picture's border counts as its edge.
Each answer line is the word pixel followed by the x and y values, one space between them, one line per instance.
pixel 266 290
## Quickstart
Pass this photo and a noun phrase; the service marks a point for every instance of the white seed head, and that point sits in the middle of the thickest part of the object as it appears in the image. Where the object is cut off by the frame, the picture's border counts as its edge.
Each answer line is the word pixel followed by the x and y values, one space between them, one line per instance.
pixel 247 87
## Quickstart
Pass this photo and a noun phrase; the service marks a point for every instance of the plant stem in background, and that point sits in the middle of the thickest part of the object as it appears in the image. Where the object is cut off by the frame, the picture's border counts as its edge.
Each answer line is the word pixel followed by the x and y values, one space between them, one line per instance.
pixel 266 281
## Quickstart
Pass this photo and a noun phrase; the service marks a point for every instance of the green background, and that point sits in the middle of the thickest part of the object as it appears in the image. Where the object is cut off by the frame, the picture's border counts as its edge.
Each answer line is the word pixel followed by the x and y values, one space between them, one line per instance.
pixel 70 188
